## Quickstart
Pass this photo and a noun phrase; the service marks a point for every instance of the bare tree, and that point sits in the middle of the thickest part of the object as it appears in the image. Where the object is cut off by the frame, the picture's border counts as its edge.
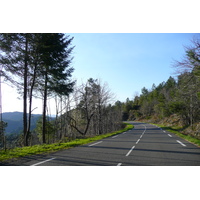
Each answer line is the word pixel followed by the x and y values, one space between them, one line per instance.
pixel 91 100
pixel 191 59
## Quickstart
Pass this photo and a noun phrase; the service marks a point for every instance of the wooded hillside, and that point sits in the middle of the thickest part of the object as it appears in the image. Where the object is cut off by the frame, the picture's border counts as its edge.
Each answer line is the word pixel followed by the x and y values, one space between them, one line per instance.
pixel 177 98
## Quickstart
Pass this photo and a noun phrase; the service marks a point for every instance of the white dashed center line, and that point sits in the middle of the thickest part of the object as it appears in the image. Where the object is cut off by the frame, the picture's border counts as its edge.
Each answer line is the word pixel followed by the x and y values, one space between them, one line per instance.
pixel 130 151
pixel 169 135
pixel 119 164
pixel 138 141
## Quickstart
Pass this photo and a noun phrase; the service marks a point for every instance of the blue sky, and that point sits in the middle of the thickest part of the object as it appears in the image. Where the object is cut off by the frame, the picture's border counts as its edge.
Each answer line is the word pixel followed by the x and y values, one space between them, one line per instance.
pixel 127 62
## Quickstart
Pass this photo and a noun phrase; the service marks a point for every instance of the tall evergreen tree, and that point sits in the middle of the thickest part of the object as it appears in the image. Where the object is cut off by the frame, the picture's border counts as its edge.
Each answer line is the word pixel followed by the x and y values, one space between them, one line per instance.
pixel 55 56
pixel 15 62
pixel 36 60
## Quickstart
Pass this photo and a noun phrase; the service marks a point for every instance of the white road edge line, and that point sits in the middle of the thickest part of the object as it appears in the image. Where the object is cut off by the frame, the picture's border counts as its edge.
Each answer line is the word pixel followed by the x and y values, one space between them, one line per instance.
pixel 169 135
pixel 181 143
pixel 43 161
pixel 130 151
pixel 119 164
pixel 95 143
pixel 115 136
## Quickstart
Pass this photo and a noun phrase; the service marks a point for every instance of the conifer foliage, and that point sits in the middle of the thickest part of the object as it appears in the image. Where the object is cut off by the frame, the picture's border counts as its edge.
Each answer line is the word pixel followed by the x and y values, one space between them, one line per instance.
pixel 37 62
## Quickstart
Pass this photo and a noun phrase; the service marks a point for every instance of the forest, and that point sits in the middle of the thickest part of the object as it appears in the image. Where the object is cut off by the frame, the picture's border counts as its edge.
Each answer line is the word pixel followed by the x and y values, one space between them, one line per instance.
pixel 39 66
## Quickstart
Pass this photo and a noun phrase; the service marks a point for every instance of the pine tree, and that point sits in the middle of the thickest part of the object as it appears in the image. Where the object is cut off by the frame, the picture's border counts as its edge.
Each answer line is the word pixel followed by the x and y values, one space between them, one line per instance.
pixel 55 59
pixel 36 60
pixel 15 61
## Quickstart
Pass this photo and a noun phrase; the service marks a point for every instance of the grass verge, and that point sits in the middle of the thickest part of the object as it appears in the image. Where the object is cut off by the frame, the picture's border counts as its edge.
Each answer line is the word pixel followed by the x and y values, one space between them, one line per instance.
pixel 48 148
pixel 176 130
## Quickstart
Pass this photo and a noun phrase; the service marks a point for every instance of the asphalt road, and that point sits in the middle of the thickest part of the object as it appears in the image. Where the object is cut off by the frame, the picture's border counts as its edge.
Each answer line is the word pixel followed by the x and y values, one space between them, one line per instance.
pixel 145 145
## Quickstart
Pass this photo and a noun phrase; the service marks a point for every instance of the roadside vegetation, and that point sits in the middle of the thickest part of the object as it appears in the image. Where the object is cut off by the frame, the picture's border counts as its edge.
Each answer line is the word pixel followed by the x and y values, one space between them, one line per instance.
pixel 179 131
pixel 49 148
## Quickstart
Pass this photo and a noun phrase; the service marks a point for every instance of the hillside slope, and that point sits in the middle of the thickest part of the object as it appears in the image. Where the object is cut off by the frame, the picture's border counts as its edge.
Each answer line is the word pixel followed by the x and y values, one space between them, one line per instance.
pixel 176 122
pixel 15 121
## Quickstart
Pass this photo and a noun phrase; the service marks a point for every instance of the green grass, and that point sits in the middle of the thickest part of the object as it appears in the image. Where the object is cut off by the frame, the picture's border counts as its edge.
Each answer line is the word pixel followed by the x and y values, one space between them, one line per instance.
pixel 48 148
pixel 176 130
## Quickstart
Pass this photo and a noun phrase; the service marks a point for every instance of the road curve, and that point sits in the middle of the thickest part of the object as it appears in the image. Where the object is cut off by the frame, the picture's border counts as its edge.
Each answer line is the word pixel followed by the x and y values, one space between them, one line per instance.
pixel 145 145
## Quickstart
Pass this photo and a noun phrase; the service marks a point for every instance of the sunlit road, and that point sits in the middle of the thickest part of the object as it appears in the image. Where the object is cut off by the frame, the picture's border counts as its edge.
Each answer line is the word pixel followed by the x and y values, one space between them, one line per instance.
pixel 145 145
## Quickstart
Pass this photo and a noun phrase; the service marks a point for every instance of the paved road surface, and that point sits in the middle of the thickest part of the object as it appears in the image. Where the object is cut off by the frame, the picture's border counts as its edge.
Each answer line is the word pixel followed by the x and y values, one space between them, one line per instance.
pixel 145 145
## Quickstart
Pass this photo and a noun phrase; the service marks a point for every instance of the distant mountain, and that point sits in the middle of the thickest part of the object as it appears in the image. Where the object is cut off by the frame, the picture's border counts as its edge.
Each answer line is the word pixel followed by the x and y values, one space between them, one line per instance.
pixel 15 121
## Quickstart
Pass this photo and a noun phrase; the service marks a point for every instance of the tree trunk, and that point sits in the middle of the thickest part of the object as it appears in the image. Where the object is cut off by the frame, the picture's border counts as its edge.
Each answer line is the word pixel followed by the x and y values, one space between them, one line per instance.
pixel 44 110
pixel 88 123
pixel 25 93
pixel 30 103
